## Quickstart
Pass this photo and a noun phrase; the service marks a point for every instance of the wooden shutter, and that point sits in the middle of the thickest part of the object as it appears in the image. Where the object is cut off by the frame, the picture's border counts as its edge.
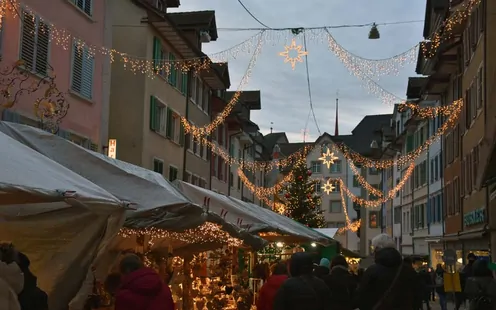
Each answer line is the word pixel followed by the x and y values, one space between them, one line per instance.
pixel 77 68
pixel 184 82
pixel 87 74
pixel 28 40
pixel 153 114
pixel 42 46
pixel 156 54
pixel 168 130
pixel 181 133
pixel 173 70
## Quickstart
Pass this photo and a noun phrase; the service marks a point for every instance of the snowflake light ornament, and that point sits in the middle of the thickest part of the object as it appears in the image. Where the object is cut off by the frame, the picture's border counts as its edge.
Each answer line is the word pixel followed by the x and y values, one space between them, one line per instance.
pixel 328 158
pixel 328 187
pixel 299 54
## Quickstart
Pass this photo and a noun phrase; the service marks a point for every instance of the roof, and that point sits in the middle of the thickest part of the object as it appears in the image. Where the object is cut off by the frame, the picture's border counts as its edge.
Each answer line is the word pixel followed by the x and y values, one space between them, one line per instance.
pixel 222 69
pixel 197 20
pixel 415 87
pixel 368 130
pixel 270 140
pixel 250 98
pixel 290 148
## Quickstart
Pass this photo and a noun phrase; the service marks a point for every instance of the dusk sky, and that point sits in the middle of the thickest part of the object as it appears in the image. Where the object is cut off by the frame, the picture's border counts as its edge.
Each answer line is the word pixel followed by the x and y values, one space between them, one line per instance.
pixel 285 99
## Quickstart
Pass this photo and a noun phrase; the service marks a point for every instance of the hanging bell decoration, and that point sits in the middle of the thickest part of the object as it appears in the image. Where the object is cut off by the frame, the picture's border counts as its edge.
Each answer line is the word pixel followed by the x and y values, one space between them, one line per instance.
pixel 374 32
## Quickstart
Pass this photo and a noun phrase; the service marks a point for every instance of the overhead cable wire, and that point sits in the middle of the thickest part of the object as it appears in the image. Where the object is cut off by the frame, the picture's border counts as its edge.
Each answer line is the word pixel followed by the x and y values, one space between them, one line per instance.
pixel 406 22
pixel 253 16
pixel 309 85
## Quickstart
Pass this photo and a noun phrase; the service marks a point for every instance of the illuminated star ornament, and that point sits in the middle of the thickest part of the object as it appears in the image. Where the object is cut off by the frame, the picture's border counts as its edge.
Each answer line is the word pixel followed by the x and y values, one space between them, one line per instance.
pixel 328 158
pixel 328 187
pixel 297 58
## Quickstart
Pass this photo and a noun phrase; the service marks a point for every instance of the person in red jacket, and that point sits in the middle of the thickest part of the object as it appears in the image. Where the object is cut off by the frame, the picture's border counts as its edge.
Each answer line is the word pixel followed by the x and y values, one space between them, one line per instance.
pixel 269 289
pixel 141 288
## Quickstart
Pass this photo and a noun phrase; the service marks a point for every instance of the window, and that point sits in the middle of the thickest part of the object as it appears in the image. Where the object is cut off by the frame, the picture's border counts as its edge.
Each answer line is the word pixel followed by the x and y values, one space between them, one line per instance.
pixel 174 130
pixel 318 187
pixel 85 5
pixel 83 64
pixel 397 215
pixel 205 105
pixel 192 95
pixel 35 42
pixel 195 179
pixel 315 166
pixel 397 182
pixel 356 206
pixel 172 78
pixel 480 87
pixel 335 206
pixel 158 116
pixel 373 171
pixel 355 181
pixel 374 219
pixel 158 166
pixel 187 177
pixel 231 179
pixel 172 173
pixel 203 183
pixel 199 92
pixel 239 183
pixel 184 82
pixel 336 167
pixel 436 167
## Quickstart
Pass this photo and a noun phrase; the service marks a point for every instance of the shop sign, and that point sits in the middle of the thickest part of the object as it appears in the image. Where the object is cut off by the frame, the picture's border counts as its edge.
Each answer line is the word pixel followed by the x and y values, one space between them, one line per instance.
pixel 112 150
pixel 474 217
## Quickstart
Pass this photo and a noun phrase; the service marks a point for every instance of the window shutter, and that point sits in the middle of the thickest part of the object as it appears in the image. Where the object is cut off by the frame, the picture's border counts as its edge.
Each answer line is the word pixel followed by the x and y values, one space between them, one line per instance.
pixel 77 68
pixel 153 114
pixel 168 131
pixel 87 74
pixel 181 133
pixel 42 45
pixel 173 70
pixel 28 39
pixel 156 53
pixel 184 82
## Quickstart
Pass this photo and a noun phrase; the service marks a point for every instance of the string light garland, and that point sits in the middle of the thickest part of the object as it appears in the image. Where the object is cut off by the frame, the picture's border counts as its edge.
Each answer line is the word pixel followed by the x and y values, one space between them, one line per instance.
pixel 355 157
pixel 349 225
pixel 199 132
pixel 361 180
pixel 206 233
pixel 264 191
pixel 445 31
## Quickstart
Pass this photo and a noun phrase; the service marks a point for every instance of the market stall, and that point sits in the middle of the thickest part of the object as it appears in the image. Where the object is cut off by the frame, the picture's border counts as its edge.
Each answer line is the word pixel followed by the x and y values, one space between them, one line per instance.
pixel 60 220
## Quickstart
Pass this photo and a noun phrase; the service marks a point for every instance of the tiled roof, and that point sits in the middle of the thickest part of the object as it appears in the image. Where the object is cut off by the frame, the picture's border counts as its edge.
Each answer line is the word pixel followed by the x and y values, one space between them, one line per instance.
pixel 290 148
pixel 270 140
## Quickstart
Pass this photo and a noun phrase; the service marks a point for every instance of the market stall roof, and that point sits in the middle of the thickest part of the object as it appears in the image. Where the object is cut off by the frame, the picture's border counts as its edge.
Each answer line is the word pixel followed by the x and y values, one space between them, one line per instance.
pixel 28 177
pixel 329 232
pixel 289 228
pixel 157 203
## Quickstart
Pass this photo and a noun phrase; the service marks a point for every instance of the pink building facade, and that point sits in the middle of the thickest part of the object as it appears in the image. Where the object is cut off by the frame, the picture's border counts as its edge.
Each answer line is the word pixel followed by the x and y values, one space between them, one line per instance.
pixel 81 74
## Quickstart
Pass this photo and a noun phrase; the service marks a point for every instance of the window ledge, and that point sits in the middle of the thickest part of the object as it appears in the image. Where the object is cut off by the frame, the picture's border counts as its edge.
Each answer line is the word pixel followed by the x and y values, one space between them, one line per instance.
pixel 78 9
pixel 81 97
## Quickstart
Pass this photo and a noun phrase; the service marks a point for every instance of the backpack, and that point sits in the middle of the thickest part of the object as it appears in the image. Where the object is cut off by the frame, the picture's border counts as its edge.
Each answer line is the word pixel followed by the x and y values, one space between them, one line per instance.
pixel 439 280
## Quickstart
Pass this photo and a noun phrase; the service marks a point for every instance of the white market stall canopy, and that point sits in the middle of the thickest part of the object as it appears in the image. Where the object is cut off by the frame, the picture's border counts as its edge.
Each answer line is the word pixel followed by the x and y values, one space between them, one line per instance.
pixel 248 216
pixel 329 232
pixel 156 201
pixel 60 220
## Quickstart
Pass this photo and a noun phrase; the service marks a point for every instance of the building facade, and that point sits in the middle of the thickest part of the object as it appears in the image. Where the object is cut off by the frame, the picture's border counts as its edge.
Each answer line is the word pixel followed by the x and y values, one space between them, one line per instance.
pixel 86 75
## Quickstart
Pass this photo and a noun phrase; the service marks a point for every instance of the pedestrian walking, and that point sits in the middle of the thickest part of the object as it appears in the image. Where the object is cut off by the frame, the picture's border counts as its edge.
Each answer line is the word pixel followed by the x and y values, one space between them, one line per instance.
pixel 271 286
pixel 302 290
pixel 141 287
pixel 389 284
pixel 439 286
pixel 322 270
pixel 341 283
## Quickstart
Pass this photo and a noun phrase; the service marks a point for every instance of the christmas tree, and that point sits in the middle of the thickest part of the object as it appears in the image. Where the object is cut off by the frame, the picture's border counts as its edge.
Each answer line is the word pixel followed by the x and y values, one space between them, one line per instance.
pixel 302 202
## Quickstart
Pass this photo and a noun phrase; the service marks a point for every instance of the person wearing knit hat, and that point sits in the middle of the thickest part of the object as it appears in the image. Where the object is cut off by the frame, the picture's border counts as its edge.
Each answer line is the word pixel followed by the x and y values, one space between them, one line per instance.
pixel 323 269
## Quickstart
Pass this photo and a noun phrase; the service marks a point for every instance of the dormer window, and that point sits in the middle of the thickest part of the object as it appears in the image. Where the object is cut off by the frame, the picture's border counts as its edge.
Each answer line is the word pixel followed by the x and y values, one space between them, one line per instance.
pixel 160 4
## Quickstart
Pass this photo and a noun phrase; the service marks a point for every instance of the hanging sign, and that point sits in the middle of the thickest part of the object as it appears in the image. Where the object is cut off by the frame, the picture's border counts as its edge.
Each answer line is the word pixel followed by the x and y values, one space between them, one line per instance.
pixel 112 148
pixel 474 217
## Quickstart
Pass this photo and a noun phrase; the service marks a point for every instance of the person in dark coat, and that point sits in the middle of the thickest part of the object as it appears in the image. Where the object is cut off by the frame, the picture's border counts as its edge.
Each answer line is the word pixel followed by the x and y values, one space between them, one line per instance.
pixel 31 297
pixel 302 290
pixel 269 289
pixel 141 288
pixel 467 272
pixel 439 284
pixel 389 284
pixel 322 270
pixel 480 288
pixel 341 283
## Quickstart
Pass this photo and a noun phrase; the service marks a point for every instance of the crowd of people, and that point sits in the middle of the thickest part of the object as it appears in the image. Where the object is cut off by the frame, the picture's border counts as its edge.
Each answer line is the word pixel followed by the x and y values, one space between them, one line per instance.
pixel 391 283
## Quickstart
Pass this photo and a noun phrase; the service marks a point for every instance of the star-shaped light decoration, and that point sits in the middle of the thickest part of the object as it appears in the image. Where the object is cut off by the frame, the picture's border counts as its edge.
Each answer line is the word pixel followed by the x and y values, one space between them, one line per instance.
pixel 328 187
pixel 328 158
pixel 299 53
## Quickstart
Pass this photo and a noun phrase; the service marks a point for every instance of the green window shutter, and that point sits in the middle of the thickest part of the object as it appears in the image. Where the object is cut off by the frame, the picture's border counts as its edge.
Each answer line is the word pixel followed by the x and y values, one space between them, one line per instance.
pixel 153 114
pixel 184 82
pixel 173 70
pixel 156 53
pixel 181 134
pixel 168 132
pixel 409 143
